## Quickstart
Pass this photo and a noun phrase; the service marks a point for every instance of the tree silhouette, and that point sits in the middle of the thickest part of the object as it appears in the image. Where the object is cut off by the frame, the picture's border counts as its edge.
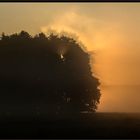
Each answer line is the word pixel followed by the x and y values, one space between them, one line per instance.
pixel 48 74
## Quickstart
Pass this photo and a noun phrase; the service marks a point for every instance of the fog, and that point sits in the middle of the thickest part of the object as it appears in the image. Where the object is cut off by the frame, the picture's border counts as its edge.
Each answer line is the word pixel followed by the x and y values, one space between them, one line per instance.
pixel 111 30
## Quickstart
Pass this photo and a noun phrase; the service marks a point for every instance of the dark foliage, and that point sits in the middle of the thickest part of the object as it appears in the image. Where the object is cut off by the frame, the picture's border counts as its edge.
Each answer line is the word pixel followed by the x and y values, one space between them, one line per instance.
pixel 45 75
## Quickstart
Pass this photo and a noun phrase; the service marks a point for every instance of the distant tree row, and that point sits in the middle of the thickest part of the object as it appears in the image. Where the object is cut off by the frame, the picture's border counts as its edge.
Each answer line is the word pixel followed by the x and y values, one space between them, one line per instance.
pixel 46 74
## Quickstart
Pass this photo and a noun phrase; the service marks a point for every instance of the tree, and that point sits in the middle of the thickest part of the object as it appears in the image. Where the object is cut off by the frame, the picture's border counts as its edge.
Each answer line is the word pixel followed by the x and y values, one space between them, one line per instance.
pixel 49 74
pixel 79 88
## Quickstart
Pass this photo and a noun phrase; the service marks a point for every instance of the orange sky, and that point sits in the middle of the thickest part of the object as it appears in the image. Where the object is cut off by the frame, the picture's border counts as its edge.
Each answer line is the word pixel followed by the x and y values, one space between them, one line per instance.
pixel 111 30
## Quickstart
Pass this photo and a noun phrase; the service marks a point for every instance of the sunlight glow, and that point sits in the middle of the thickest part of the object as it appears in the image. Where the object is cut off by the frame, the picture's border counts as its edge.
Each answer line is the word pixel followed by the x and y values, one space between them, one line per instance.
pixel 61 56
pixel 110 30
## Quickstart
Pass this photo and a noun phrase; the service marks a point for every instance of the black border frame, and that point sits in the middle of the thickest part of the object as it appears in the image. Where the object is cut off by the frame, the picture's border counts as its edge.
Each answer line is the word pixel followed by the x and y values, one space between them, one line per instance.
pixel 68 1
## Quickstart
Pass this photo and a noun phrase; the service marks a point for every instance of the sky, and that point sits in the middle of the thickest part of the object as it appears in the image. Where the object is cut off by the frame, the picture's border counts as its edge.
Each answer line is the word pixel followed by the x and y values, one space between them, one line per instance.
pixel 110 30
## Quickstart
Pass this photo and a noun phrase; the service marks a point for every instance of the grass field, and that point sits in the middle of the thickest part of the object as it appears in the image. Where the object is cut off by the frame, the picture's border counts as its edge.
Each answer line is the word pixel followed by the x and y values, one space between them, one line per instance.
pixel 99 125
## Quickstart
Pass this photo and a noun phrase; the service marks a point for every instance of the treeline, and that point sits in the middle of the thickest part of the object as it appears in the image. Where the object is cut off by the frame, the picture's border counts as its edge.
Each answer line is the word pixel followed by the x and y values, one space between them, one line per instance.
pixel 45 75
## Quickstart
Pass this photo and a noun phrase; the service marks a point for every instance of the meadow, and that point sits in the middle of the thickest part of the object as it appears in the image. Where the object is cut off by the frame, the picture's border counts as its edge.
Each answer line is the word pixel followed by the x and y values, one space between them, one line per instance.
pixel 98 125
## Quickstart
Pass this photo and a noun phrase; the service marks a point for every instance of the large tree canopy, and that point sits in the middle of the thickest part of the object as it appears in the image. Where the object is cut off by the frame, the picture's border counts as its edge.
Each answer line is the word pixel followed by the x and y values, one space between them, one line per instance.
pixel 48 74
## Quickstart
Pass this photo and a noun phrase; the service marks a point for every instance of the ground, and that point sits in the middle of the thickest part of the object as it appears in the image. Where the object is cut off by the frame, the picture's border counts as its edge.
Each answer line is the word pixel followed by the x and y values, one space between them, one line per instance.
pixel 99 125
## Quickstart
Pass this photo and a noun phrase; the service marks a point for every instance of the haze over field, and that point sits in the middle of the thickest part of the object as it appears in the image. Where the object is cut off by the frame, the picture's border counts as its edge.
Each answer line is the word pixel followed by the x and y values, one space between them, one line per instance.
pixel 111 30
